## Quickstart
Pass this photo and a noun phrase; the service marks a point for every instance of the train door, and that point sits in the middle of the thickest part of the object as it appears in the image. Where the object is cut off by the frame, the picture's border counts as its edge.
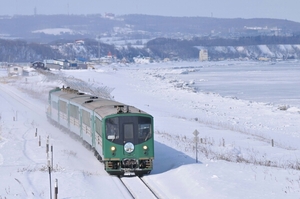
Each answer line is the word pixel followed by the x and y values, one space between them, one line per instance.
pixel 128 129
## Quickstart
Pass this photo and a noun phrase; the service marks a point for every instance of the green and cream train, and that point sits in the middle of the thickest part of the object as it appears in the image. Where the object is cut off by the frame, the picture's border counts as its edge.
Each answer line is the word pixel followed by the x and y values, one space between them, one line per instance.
pixel 120 135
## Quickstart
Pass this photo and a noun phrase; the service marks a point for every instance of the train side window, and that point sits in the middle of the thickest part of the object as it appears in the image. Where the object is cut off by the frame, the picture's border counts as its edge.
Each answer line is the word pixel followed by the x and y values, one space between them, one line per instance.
pixel 98 125
pixel 74 111
pixel 55 105
pixel 62 106
pixel 112 128
pixel 86 118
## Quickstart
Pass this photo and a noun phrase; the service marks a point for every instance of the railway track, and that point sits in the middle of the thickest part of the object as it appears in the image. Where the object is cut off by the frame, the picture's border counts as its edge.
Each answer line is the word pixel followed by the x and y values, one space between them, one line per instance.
pixel 138 188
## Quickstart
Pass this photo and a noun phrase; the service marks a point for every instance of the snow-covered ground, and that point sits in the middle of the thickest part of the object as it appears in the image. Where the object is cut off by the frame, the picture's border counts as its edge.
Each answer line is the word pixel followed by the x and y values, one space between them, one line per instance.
pixel 238 108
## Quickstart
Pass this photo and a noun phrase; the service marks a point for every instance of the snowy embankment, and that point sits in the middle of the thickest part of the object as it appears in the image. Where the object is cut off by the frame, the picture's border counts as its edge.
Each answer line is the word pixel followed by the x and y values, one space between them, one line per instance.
pixel 235 152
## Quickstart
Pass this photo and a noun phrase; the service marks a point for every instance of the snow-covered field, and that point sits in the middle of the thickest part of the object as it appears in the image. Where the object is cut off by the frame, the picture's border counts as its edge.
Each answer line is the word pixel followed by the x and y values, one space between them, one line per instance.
pixel 238 108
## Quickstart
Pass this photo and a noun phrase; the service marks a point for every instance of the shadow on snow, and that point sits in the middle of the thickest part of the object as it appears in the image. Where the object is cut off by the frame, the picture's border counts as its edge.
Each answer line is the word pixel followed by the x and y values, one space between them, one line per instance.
pixel 167 158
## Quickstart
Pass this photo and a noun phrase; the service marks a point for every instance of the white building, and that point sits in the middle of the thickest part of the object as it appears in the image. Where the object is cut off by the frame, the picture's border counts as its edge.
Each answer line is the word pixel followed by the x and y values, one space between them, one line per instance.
pixel 203 55
pixel 142 60
pixel 15 70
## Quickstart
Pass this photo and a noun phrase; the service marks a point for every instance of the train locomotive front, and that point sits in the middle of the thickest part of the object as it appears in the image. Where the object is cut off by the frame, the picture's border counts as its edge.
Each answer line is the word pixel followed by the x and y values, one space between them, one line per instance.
pixel 120 135
pixel 128 143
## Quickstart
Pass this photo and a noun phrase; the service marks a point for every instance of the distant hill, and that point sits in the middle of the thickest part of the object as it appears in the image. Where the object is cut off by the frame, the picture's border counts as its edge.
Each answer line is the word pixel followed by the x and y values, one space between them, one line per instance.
pixel 31 28
pixel 206 25
pixel 158 49
pixel 32 38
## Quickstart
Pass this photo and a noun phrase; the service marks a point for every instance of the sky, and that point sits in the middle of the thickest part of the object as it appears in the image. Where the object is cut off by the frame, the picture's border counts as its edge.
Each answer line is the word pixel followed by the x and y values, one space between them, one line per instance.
pixel 279 9
pixel 234 127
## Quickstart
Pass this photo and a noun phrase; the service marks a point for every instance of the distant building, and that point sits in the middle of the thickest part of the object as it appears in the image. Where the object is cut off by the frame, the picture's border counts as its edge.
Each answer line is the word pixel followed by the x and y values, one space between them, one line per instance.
pixel 65 64
pixel 58 64
pixel 166 59
pixel 29 71
pixel 79 42
pixel 203 55
pixel 124 60
pixel 109 15
pixel 256 30
pixel 142 60
pixel 39 65
pixel 15 70
pixel 108 59
pixel 264 59
pixel 61 62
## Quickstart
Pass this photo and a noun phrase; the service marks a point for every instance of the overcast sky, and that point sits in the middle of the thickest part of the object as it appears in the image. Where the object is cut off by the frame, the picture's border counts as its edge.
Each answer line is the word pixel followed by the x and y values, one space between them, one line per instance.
pixel 280 9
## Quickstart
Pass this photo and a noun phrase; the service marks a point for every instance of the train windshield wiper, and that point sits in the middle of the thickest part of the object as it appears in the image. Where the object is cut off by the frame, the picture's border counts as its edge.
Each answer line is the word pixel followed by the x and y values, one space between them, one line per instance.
pixel 148 135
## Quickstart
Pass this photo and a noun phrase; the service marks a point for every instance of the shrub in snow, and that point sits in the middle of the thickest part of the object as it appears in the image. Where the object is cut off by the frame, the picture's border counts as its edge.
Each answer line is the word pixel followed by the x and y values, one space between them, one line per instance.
pixel 284 107
pixel 184 72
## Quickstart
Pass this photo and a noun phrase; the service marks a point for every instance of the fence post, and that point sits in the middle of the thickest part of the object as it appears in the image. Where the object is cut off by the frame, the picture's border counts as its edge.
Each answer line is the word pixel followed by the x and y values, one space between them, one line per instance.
pixel 47 145
pixel 56 189
pixel 49 169
pixel 52 157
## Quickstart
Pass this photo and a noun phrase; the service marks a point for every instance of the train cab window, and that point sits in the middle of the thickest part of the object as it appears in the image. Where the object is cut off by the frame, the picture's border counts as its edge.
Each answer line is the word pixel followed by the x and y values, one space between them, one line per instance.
pixel 144 131
pixel 144 128
pixel 112 128
pixel 128 131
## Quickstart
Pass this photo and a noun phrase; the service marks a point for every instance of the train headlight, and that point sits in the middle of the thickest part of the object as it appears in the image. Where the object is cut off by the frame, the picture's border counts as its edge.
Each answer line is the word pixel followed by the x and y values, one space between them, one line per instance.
pixel 145 147
pixel 128 147
pixel 113 149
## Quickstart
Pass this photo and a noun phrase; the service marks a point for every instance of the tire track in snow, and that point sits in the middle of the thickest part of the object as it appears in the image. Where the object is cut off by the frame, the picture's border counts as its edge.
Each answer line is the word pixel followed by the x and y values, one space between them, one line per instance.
pixel 2 142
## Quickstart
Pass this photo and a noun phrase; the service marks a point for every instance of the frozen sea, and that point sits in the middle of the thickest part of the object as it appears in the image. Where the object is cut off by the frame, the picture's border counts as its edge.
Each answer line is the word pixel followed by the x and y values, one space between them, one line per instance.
pixel 268 82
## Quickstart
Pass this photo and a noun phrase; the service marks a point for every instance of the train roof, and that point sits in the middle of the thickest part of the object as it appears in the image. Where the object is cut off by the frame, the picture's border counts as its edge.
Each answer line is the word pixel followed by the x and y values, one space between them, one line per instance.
pixel 103 107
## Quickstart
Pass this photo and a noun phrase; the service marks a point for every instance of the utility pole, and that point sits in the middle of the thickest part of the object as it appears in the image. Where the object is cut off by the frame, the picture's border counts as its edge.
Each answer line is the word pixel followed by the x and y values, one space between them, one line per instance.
pixel 98 38
pixel 196 133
